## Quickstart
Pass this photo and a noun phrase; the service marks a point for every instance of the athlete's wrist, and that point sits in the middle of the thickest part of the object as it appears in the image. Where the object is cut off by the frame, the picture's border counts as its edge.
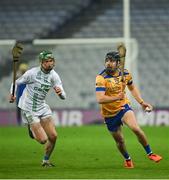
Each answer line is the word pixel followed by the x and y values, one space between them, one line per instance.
pixel 141 102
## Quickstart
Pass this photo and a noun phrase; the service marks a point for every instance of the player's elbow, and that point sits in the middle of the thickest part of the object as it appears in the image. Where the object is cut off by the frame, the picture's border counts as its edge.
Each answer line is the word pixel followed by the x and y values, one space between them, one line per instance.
pixel 131 87
pixel 100 100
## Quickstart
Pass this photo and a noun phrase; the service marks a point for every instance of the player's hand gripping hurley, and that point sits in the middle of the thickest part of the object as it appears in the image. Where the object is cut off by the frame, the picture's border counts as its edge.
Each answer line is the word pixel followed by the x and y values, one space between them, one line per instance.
pixel 16 53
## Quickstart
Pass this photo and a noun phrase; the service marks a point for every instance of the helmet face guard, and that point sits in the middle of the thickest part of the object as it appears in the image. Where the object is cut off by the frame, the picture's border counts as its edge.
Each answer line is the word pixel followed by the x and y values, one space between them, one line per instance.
pixel 45 55
pixel 114 56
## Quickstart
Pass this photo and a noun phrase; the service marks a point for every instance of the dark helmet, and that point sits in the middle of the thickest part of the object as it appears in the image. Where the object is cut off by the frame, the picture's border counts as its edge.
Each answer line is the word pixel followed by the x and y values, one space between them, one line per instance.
pixel 45 55
pixel 114 55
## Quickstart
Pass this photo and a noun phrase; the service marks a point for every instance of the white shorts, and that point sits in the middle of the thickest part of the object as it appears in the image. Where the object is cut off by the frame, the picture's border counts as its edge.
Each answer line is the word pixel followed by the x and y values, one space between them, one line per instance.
pixel 35 117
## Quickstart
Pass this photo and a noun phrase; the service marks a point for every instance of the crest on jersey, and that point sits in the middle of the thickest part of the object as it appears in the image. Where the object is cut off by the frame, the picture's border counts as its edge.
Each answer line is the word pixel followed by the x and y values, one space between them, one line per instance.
pixel 116 80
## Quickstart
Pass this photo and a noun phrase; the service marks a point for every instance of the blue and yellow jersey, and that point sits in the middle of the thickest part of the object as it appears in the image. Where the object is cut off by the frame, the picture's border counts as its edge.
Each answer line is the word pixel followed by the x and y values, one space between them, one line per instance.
pixel 112 86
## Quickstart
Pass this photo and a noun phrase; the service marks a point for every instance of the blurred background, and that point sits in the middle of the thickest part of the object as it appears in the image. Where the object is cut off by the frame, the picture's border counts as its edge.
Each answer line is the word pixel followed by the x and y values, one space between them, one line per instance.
pixel 80 33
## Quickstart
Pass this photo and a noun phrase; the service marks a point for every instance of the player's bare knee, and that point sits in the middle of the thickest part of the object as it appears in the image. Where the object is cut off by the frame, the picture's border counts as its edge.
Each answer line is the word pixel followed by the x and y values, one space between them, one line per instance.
pixel 53 137
pixel 42 141
pixel 120 142
pixel 137 130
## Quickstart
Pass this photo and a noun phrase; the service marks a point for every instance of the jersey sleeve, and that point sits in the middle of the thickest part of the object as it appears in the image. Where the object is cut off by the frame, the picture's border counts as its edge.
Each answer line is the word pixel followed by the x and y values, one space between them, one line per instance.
pixel 56 82
pixel 100 83
pixel 24 79
pixel 129 79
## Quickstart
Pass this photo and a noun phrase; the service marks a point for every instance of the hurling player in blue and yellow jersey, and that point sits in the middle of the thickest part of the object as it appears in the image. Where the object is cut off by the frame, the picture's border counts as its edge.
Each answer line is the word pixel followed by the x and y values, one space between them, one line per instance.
pixel 115 106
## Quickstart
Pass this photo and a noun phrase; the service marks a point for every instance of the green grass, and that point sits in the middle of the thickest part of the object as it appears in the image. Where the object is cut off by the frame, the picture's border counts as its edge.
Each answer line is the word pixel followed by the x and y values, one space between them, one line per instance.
pixel 87 152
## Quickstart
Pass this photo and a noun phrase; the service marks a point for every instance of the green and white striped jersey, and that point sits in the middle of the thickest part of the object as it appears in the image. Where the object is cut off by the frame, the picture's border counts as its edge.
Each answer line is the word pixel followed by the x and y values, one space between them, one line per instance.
pixel 37 86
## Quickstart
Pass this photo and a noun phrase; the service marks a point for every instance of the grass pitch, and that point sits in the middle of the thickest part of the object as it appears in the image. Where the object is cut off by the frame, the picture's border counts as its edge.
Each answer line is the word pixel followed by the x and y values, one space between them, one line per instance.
pixel 87 152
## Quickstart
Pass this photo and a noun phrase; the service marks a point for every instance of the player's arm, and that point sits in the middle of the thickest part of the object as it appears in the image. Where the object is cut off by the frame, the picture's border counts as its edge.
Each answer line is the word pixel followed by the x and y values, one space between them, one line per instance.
pixel 101 97
pixel 104 99
pixel 137 95
pixel 24 79
pixel 60 92
pixel 57 86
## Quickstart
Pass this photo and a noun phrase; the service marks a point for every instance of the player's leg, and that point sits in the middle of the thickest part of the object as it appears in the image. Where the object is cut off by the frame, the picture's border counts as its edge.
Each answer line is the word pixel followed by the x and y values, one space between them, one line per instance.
pixel 114 126
pixel 49 127
pixel 35 126
pixel 119 139
pixel 38 132
pixel 18 116
pixel 30 132
pixel 130 120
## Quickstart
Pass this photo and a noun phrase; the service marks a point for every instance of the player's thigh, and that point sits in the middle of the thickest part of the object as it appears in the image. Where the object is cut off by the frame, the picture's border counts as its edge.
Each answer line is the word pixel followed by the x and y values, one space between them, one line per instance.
pixel 49 127
pixel 129 119
pixel 34 122
pixel 38 132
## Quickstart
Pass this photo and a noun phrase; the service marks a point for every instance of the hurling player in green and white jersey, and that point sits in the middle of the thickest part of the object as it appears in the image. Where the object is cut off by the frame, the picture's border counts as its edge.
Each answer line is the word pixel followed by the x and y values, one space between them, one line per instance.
pixel 35 112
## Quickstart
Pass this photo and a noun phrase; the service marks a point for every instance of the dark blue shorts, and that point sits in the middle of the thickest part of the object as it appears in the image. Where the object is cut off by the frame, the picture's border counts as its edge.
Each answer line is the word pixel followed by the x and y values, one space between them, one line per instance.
pixel 114 122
